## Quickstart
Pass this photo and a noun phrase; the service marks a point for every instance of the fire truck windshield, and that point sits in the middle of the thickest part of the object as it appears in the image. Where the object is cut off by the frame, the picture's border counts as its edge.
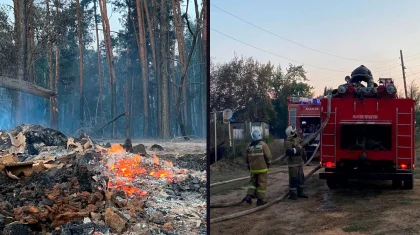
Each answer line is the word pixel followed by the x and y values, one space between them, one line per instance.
pixel 366 137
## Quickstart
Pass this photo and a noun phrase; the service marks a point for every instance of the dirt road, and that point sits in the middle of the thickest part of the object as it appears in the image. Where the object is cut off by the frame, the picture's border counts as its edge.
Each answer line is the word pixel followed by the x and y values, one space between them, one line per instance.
pixel 368 207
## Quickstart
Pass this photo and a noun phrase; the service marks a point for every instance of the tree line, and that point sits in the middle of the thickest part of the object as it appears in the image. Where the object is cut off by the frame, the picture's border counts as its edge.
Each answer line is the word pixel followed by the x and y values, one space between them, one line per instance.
pixel 257 91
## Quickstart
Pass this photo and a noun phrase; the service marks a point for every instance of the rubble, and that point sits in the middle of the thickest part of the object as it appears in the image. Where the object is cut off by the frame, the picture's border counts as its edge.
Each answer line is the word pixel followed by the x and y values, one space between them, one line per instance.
pixel 156 147
pixel 80 187
pixel 140 149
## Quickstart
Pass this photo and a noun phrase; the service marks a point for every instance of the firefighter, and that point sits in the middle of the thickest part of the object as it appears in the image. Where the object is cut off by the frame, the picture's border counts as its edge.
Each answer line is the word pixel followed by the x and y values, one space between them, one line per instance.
pixel 258 159
pixel 295 162
pixel 362 74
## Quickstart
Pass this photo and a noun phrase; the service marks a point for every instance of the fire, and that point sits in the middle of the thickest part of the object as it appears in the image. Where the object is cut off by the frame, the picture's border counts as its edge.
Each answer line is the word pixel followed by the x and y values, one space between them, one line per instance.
pixel 161 174
pixel 156 160
pixel 129 167
pixel 168 164
pixel 116 148
pixel 129 190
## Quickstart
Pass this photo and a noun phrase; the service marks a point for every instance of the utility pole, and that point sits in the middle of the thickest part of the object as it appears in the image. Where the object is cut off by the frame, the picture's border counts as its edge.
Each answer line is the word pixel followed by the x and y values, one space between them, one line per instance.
pixel 403 70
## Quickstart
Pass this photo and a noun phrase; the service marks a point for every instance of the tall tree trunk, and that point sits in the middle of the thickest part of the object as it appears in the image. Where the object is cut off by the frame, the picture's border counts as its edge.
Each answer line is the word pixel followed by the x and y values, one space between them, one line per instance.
pixel 21 20
pixel 164 72
pixel 57 66
pixel 99 61
pixel 127 98
pixel 50 63
pixel 203 71
pixel 179 32
pixel 144 70
pixel 152 25
pixel 110 60
pixel 184 71
pixel 31 44
pixel 79 35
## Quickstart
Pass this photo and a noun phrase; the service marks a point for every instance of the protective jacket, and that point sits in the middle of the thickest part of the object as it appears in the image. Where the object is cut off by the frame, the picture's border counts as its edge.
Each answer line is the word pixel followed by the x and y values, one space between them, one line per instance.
pixel 294 144
pixel 258 157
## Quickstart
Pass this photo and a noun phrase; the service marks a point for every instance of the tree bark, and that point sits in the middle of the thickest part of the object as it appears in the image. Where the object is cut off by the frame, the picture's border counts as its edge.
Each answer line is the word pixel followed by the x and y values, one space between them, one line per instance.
pixel 152 25
pixel 50 65
pixel 164 72
pixel 179 32
pixel 25 86
pixel 99 61
pixel 31 45
pixel 127 98
pixel 203 71
pixel 57 67
pixel 20 8
pixel 80 37
pixel 110 60
pixel 144 70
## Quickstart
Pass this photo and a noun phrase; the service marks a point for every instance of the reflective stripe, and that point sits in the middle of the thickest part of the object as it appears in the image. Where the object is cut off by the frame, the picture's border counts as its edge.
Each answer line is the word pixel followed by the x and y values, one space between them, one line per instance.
pixel 260 171
pixel 261 191
pixel 256 154
pixel 293 189
pixel 253 187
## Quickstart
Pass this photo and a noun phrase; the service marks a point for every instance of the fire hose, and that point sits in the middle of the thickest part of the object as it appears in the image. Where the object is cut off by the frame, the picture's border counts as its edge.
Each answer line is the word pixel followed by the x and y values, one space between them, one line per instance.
pixel 246 212
pixel 283 156
pixel 221 205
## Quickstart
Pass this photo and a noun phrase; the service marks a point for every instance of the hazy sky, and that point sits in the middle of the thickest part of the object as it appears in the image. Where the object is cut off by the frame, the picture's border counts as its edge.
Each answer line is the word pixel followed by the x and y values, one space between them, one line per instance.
pixel 366 30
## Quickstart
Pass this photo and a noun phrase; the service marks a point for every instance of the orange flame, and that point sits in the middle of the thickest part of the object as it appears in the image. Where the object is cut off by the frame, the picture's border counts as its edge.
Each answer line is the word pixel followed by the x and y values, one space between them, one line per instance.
pixel 169 164
pixel 156 160
pixel 116 148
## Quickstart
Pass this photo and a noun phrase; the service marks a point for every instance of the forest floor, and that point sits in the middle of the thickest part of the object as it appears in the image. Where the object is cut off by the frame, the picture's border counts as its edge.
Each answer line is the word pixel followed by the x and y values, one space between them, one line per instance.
pixel 363 207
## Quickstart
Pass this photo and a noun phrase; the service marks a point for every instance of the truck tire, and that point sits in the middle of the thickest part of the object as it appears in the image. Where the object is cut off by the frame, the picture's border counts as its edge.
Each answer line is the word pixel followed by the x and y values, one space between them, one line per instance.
pixel 396 184
pixel 332 184
pixel 408 184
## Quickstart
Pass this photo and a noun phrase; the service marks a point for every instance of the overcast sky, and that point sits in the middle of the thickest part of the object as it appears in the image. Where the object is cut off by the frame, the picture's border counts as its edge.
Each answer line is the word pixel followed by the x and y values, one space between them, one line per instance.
pixel 372 31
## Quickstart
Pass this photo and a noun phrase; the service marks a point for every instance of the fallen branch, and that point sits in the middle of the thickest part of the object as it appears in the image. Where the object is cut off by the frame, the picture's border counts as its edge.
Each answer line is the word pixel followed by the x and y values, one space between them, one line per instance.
pixel 113 120
pixel 25 86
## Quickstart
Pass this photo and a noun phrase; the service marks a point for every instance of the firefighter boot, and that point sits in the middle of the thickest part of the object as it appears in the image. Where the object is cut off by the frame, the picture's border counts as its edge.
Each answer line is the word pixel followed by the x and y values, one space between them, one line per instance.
pixel 248 199
pixel 260 202
pixel 300 193
pixel 292 195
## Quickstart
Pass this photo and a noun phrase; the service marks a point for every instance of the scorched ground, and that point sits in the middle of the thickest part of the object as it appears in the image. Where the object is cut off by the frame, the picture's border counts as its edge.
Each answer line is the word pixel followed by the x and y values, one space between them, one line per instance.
pixel 53 184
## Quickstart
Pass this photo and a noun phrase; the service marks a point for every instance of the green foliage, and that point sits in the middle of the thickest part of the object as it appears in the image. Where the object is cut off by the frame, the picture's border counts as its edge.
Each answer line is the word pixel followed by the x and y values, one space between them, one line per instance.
pixel 243 85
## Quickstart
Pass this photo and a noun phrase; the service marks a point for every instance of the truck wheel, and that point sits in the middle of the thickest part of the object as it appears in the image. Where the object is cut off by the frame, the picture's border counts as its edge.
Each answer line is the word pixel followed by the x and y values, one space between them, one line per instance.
pixel 396 184
pixel 408 184
pixel 332 184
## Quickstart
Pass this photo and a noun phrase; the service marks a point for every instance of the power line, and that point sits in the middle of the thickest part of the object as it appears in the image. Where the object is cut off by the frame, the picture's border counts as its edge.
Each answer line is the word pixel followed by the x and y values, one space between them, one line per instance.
pixel 274 53
pixel 326 53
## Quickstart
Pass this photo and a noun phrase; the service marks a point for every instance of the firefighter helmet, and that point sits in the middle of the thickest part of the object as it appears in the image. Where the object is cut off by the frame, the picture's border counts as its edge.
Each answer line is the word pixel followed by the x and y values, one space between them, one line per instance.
pixel 290 131
pixel 362 71
pixel 256 135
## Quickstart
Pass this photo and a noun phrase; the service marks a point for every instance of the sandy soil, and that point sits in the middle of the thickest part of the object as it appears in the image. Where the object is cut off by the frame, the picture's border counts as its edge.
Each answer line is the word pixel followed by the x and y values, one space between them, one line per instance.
pixel 368 207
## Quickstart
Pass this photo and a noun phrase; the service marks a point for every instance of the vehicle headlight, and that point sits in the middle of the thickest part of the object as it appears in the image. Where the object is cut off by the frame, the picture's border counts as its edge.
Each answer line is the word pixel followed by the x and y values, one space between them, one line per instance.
pixel 342 89
pixel 391 89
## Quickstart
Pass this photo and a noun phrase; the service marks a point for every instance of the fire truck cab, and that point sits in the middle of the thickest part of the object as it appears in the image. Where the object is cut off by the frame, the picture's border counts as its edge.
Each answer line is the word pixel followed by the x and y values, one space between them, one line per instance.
pixel 304 114
pixel 369 135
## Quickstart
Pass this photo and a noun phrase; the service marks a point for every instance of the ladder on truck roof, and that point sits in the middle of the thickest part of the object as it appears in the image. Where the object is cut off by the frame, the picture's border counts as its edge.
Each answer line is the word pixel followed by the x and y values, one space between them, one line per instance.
pixel 331 145
pixel 410 137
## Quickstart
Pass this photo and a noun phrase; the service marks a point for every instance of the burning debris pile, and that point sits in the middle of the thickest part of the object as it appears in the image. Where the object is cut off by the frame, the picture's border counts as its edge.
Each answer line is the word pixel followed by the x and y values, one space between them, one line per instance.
pixel 52 184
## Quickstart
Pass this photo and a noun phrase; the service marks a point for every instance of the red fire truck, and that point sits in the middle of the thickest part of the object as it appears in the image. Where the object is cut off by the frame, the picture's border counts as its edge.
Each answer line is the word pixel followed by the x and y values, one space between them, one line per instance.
pixel 369 136
pixel 304 114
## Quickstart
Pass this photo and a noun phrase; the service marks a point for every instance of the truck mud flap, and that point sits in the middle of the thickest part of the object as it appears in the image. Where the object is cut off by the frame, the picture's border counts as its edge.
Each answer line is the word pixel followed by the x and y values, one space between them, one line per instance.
pixel 367 176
